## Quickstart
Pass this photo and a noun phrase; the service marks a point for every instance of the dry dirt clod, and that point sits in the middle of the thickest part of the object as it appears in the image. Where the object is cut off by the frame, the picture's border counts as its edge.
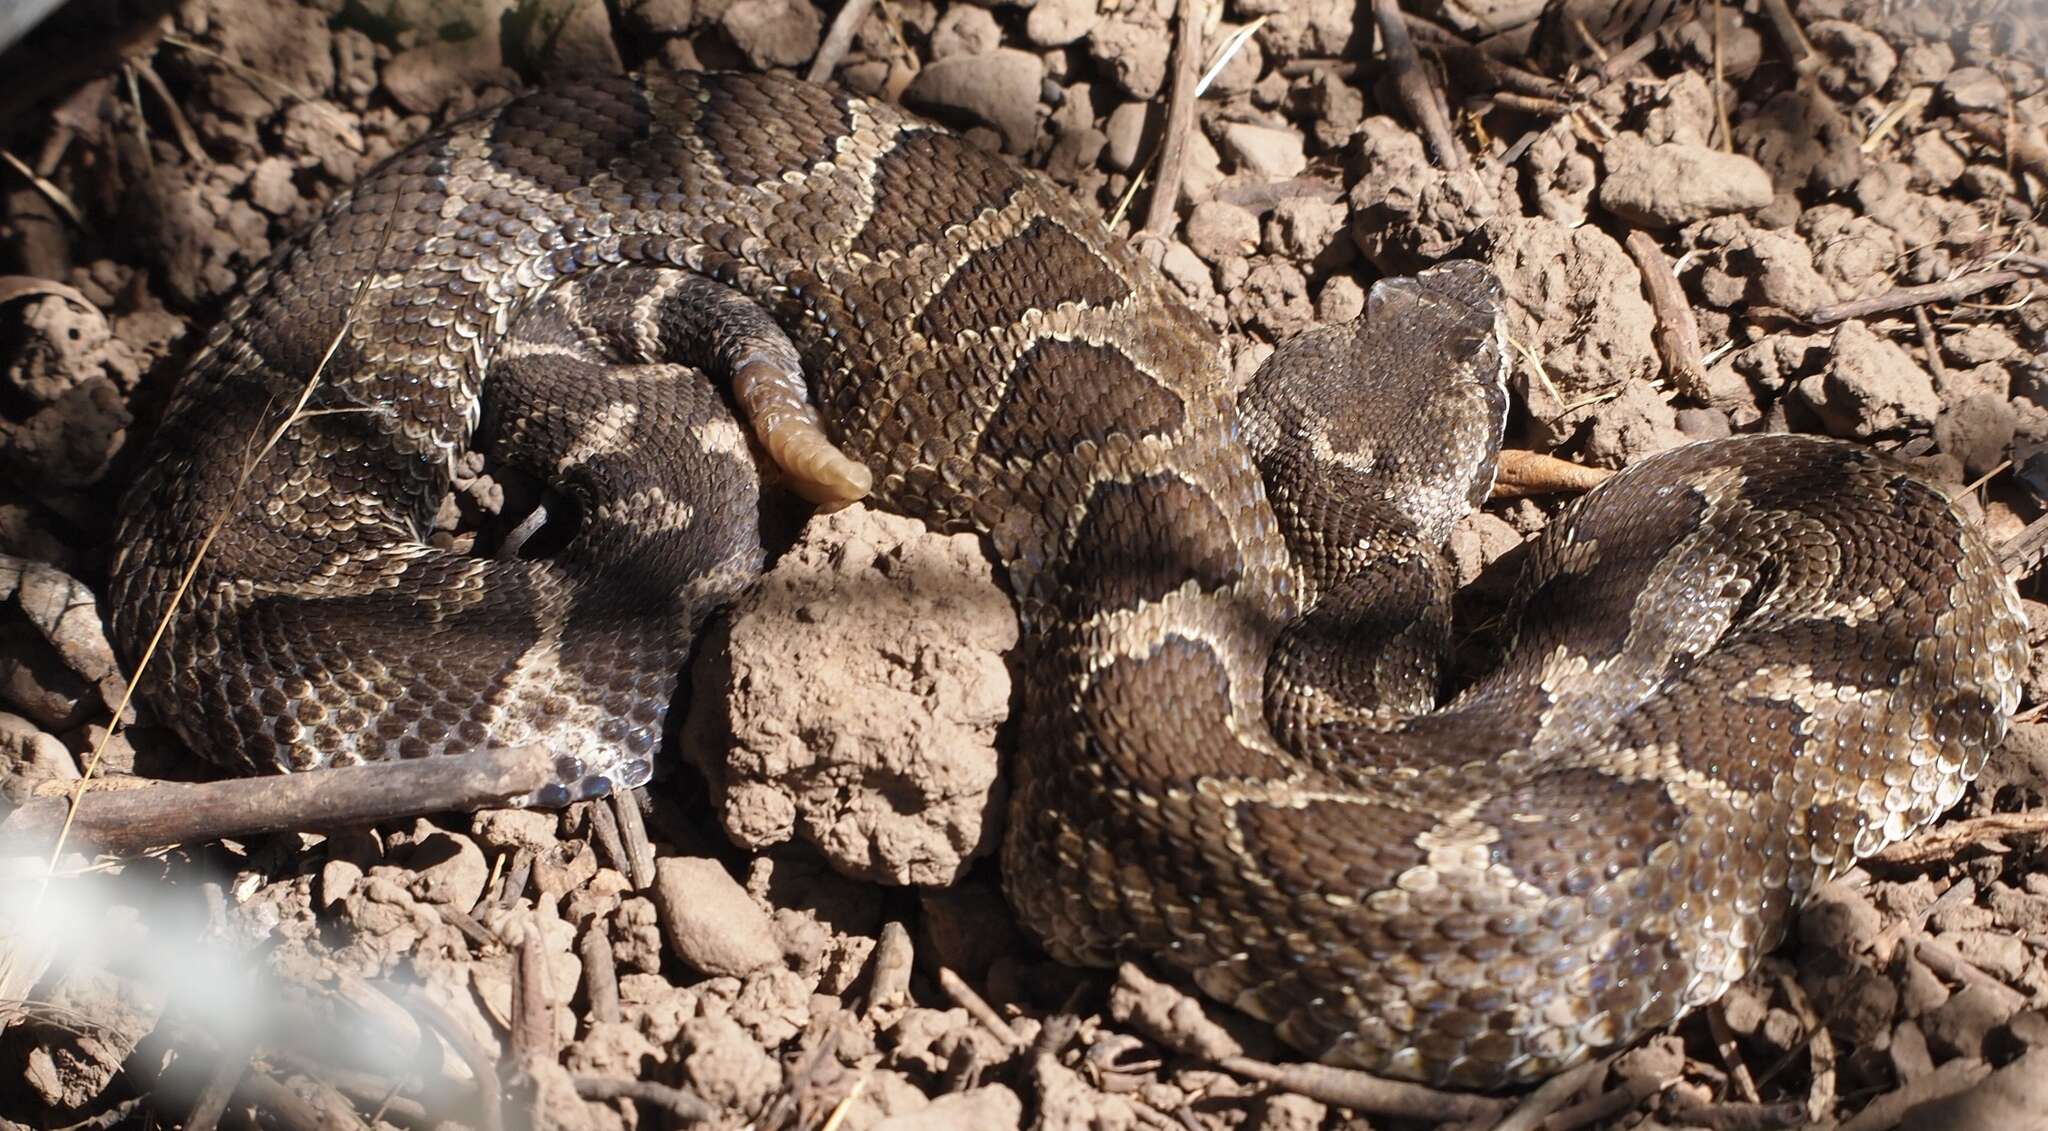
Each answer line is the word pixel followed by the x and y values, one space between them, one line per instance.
pixel 1872 387
pixel 1664 186
pixel 863 692
pixel 993 1106
pixel 709 920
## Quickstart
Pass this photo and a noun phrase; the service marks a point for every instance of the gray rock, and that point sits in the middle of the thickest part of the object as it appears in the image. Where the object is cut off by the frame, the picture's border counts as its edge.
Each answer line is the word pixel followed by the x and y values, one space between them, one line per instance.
pixel 1264 151
pixel 1056 23
pixel 1974 88
pixel 1977 431
pixel 1128 127
pixel 709 920
pixel 1216 230
pixel 1134 54
pixel 965 30
pixel 1858 60
pixel 991 1107
pixel 773 33
pixel 999 89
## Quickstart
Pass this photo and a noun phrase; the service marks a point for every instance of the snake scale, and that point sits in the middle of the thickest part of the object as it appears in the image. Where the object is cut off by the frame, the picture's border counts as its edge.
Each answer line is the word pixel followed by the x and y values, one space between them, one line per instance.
pixel 1735 668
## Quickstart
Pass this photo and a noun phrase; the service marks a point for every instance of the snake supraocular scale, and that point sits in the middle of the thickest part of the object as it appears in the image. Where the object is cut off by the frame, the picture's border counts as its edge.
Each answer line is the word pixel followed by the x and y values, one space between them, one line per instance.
pixel 1737 666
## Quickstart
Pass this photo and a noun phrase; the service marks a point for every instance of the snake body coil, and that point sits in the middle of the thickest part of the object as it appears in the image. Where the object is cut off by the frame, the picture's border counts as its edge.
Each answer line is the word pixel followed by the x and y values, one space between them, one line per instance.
pixel 1735 668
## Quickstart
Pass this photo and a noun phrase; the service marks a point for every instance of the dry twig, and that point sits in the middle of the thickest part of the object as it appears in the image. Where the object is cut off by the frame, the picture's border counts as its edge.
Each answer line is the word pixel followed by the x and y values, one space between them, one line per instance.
pixel 1524 473
pixel 977 1007
pixel 533 1023
pixel 838 39
pixel 677 1102
pixel 1553 1095
pixel 1901 298
pixel 1791 37
pixel 1177 1021
pixel 625 806
pixel 1677 333
pixel 161 813
pixel 1946 841
pixel 1607 1105
pixel 1162 211
pixel 1412 84
pixel 600 973
pixel 490 1106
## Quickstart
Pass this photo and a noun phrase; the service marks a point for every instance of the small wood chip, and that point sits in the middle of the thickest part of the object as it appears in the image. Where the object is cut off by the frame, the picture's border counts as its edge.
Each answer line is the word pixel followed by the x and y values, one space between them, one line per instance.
pixel 1523 473
pixel 600 973
pixel 889 982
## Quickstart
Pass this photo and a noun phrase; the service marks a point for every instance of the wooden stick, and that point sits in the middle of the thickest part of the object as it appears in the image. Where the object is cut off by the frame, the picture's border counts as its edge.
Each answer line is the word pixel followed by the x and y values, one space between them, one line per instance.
pixel 220 1086
pixel 533 1023
pixel 490 1105
pixel 1554 1094
pixel 163 813
pixel 625 805
pixel 1740 1115
pixel 685 1106
pixel 1944 841
pixel 1412 84
pixel 977 1007
pixel 1931 343
pixel 1175 1020
pixel 1731 1054
pixel 604 829
pixel 1362 1092
pixel 1162 211
pixel 600 972
pixel 1625 60
pixel 1677 333
pixel 1949 962
pixel 1456 51
pixel 262 1090
pixel 838 39
pixel 2024 551
pixel 1790 36
pixel 1899 298
pixel 1609 1104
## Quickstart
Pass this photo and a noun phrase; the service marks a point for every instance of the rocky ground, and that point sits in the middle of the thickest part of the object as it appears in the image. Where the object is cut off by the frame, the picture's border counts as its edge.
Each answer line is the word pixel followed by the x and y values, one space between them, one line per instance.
pixel 1743 219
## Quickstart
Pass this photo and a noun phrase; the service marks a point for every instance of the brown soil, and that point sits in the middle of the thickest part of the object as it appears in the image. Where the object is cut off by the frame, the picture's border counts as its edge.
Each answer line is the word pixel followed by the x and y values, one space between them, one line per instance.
pixel 819 939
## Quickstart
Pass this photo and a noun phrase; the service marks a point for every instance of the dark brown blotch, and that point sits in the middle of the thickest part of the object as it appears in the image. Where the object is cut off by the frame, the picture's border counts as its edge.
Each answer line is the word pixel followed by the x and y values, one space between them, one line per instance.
pixel 1163 720
pixel 1591 826
pixel 1351 848
pixel 1061 393
pixel 926 183
pixel 1142 539
pixel 1040 267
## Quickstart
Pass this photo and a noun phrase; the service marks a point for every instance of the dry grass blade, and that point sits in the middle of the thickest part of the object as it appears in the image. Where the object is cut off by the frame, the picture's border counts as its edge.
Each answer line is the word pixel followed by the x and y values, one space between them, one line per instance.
pixel 1139 177
pixel 258 78
pixel 57 196
pixel 248 469
pixel 18 970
